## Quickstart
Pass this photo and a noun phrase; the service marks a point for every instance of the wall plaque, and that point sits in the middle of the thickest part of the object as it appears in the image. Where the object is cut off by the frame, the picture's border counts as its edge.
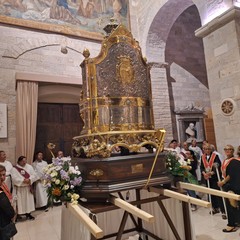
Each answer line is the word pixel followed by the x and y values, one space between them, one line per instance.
pixel 3 120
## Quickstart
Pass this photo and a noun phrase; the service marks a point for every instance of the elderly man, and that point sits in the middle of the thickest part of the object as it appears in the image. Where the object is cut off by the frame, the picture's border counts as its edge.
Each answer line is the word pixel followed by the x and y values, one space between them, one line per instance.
pixel 23 176
pixel 8 165
pixel 40 189
pixel 209 166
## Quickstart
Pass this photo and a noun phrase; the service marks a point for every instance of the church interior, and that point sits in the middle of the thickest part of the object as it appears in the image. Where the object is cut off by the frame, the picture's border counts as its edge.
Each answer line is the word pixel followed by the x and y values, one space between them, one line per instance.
pixel 96 77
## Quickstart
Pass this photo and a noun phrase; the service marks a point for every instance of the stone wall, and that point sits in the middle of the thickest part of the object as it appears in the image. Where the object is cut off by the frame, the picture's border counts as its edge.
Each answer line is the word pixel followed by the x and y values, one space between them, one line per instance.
pixel 223 66
pixel 27 51
pixel 141 18
pixel 152 22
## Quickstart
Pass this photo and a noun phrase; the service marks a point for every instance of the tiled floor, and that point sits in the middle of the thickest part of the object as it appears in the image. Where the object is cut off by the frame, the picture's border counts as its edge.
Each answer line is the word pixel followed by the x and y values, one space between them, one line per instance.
pixel 47 226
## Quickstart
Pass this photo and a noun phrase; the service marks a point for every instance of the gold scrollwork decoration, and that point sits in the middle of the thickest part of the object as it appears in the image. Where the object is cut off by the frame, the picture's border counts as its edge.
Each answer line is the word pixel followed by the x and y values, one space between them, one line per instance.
pixel 97 172
pixel 103 144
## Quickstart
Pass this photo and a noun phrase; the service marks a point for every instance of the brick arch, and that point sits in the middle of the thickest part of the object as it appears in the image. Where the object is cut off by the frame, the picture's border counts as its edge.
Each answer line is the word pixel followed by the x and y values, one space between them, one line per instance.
pixel 184 48
pixel 163 22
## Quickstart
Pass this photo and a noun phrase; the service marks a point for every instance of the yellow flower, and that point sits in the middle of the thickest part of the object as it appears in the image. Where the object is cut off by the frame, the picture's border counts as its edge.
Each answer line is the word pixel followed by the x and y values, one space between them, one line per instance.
pixel 75 196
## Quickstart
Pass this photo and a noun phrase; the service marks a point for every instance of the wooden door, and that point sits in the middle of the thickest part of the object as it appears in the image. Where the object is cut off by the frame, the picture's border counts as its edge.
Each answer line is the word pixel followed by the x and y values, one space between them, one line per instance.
pixel 58 124
pixel 209 131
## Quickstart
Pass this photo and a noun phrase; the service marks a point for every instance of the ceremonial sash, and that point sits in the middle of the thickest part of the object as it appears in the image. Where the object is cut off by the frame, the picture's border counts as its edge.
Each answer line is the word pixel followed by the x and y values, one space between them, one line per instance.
pixel 208 164
pixel 25 174
pixel 183 154
pixel 6 191
pixel 225 164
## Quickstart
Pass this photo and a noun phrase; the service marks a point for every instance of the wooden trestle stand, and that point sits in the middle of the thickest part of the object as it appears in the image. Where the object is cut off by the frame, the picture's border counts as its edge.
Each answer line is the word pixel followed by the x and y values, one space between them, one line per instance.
pixel 209 191
pixel 133 209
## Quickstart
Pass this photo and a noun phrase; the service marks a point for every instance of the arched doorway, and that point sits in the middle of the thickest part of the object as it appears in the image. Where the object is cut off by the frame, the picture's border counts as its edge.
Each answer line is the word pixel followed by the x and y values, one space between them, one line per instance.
pixel 58 118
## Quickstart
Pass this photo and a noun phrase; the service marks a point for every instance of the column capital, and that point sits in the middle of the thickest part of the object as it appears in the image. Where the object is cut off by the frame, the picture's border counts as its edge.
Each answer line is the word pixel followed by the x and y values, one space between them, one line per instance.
pixel 221 20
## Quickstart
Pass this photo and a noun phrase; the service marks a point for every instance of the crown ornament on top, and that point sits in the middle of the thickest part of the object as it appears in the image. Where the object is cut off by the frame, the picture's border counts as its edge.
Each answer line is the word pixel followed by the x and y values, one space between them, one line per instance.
pixel 113 24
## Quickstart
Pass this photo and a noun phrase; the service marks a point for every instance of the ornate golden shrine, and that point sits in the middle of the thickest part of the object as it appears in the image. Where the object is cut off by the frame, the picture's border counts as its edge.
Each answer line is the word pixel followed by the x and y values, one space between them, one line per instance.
pixel 116 101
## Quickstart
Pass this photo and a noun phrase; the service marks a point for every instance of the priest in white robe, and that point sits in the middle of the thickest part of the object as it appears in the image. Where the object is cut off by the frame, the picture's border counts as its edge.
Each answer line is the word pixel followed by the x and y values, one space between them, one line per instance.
pixel 8 165
pixel 23 176
pixel 40 189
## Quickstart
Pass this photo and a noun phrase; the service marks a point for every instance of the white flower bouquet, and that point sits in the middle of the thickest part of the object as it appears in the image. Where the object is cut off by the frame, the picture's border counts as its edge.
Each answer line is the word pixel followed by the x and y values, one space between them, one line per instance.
pixel 63 181
pixel 179 167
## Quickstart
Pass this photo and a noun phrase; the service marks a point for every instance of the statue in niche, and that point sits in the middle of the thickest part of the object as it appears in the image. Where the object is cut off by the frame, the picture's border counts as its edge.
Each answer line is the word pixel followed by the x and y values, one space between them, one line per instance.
pixel 191 132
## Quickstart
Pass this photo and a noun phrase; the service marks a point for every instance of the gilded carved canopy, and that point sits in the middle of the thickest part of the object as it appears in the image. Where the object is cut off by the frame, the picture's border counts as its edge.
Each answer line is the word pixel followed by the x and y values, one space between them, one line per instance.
pixel 116 103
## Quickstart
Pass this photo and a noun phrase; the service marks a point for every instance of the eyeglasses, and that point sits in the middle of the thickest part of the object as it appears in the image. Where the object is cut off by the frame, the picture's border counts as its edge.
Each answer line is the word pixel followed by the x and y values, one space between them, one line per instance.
pixel 226 149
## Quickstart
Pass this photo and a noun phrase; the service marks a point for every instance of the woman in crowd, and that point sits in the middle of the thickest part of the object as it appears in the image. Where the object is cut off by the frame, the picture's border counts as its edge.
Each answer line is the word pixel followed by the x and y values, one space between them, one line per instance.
pixel 231 183
pixel 6 210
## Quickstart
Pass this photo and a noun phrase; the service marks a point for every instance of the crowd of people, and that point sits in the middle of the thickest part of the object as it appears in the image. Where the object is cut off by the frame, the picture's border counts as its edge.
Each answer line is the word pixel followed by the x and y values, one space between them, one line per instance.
pixel 21 188
pixel 214 171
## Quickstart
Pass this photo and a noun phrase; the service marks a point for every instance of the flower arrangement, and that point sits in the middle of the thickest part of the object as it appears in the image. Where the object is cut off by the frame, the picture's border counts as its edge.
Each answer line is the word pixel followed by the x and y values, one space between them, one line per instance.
pixel 63 181
pixel 179 167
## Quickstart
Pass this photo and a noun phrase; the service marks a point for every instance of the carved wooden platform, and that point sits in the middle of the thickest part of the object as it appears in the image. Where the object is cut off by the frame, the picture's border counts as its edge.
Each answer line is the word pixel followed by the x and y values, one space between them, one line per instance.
pixel 103 176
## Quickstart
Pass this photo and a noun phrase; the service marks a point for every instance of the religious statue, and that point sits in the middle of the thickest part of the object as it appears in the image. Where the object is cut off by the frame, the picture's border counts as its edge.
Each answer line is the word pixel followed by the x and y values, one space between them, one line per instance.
pixel 191 132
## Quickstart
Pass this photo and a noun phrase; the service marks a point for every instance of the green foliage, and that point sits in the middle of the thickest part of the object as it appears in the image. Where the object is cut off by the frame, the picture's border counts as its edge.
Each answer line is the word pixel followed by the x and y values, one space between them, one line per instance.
pixel 178 167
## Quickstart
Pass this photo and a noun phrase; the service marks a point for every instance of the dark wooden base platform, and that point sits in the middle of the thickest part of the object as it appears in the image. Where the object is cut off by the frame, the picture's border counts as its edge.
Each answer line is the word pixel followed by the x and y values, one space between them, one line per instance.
pixel 103 176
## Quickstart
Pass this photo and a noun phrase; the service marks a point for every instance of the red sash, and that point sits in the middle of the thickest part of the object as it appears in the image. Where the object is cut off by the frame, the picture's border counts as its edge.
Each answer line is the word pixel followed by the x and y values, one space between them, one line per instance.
pixel 225 164
pixel 6 191
pixel 25 174
pixel 208 164
pixel 183 154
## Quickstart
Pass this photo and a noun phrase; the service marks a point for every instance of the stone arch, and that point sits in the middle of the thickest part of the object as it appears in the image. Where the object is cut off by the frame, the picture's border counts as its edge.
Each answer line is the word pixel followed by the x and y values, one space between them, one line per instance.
pixel 17 50
pixel 156 45
pixel 163 22
pixel 59 93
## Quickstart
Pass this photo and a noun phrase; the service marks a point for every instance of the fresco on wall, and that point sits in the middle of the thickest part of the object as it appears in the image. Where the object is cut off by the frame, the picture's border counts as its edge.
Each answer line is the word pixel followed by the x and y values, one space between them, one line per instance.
pixel 86 15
